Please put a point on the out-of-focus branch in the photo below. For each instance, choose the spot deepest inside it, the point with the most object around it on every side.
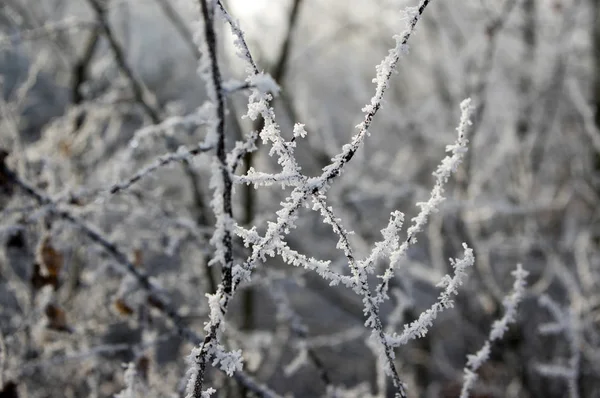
(552, 96)
(80, 69)
(80, 74)
(463, 231)
(141, 95)
(529, 38)
(478, 90)
(596, 58)
(147, 102)
(179, 24)
(46, 31)
(3, 357)
(179, 156)
(97, 237)
(7, 176)
(281, 65)
(36, 28)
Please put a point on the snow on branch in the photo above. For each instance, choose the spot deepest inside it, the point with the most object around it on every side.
(222, 186)
(499, 327)
(567, 322)
(450, 284)
(133, 386)
(448, 166)
(305, 188)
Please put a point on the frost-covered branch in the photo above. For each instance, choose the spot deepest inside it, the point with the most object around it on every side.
(567, 322)
(183, 154)
(134, 388)
(320, 184)
(306, 354)
(448, 166)
(499, 327)
(306, 188)
(360, 285)
(419, 327)
(222, 184)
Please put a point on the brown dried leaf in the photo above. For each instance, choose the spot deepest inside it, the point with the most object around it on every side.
(51, 259)
(143, 366)
(57, 318)
(39, 280)
(122, 307)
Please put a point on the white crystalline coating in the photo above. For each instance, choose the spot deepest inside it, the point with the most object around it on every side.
(229, 362)
(201, 116)
(208, 392)
(133, 388)
(264, 83)
(450, 284)
(566, 321)
(299, 130)
(443, 172)
(272, 243)
(390, 243)
(499, 327)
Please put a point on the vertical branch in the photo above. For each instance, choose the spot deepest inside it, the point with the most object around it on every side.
(479, 88)
(80, 74)
(225, 212)
(80, 69)
(281, 65)
(478, 91)
(552, 97)
(528, 34)
(361, 286)
(222, 238)
(279, 71)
